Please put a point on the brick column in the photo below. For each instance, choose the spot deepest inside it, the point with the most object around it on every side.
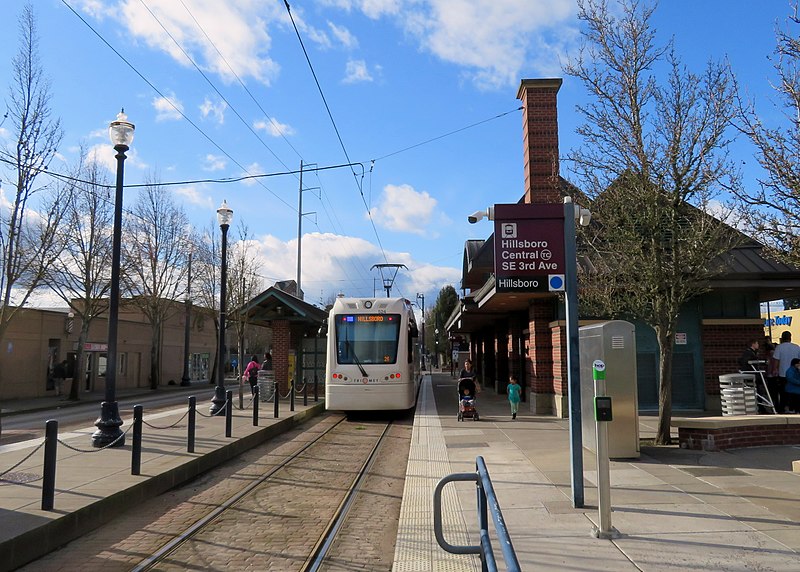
(540, 353)
(281, 337)
(540, 139)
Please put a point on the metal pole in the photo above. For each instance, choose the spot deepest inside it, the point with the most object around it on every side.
(299, 227)
(49, 469)
(275, 397)
(228, 413)
(255, 405)
(291, 395)
(136, 446)
(186, 378)
(192, 417)
(604, 528)
(109, 423)
(305, 393)
(573, 357)
(219, 391)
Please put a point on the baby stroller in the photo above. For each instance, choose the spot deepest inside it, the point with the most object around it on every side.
(466, 400)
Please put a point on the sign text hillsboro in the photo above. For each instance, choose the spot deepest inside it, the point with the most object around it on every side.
(529, 248)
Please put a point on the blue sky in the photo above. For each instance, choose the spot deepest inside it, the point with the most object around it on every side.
(394, 74)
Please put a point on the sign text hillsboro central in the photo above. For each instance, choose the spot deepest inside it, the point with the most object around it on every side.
(529, 248)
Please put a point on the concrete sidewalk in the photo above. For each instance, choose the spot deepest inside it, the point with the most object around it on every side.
(675, 509)
(95, 485)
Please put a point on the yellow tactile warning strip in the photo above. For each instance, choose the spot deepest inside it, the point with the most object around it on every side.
(417, 549)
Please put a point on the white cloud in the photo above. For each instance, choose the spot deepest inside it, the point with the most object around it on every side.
(403, 209)
(273, 127)
(498, 41)
(215, 110)
(195, 196)
(342, 264)
(344, 36)
(4, 133)
(168, 108)
(104, 154)
(356, 72)
(221, 37)
(214, 163)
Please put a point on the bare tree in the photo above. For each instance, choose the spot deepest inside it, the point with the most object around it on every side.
(205, 282)
(244, 284)
(777, 198)
(27, 236)
(81, 275)
(156, 252)
(654, 157)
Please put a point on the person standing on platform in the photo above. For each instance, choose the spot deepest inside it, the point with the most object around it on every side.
(792, 389)
(750, 354)
(469, 373)
(59, 374)
(783, 355)
(251, 373)
(514, 390)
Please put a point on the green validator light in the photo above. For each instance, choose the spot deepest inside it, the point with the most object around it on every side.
(602, 403)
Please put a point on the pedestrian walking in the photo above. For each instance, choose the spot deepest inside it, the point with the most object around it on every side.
(59, 374)
(513, 390)
(251, 373)
(793, 387)
(783, 355)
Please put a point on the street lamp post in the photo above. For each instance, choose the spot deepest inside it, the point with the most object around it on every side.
(422, 297)
(224, 217)
(108, 424)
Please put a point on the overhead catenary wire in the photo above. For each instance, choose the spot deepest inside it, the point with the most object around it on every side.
(168, 100)
(335, 127)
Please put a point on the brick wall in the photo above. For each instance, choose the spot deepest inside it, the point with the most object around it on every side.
(723, 343)
(540, 346)
(736, 437)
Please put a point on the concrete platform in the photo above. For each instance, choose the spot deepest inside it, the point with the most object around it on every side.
(675, 509)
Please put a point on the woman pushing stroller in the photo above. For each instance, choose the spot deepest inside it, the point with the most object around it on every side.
(467, 389)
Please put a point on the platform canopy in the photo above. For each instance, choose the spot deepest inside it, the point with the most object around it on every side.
(275, 304)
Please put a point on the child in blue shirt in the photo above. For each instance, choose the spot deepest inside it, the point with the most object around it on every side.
(514, 390)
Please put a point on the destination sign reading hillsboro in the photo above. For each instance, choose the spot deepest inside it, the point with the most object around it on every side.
(529, 248)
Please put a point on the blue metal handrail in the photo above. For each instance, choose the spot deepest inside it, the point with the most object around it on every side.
(487, 502)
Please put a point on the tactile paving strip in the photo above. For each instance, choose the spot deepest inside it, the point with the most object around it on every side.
(417, 549)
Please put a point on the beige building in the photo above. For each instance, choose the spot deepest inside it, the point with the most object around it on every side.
(39, 338)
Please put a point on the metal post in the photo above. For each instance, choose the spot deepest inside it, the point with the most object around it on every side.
(219, 391)
(109, 423)
(136, 446)
(192, 417)
(255, 405)
(604, 528)
(573, 359)
(291, 395)
(228, 413)
(275, 397)
(49, 470)
(305, 393)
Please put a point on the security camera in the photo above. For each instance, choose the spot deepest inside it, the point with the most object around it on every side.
(476, 216)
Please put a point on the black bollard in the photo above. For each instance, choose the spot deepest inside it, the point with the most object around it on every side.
(255, 406)
(316, 388)
(229, 413)
(192, 414)
(305, 394)
(49, 471)
(276, 396)
(136, 447)
(291, 396)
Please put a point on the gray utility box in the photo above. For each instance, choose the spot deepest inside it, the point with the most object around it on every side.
(614, 343)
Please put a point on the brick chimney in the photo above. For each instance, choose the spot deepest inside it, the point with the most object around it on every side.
(540, 139)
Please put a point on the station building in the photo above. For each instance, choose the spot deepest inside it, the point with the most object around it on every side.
(525, 333)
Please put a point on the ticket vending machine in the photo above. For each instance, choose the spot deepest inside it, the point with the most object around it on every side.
(614, 343)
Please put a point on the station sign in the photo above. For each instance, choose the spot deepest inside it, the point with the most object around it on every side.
(529, 247)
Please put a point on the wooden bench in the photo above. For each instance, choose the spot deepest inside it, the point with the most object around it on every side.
(735, 431)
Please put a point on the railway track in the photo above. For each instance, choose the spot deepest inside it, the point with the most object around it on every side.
(290, 517)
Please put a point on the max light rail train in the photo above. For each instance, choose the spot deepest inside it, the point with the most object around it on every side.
(372, 355)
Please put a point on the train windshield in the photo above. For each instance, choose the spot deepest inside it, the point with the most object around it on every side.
(367, 338)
